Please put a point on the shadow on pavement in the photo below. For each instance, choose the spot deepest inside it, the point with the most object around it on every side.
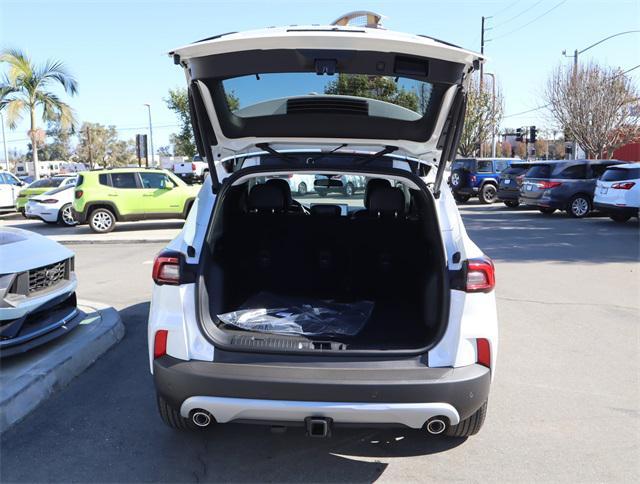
(522, 235)
(104, 427)
(53, 229)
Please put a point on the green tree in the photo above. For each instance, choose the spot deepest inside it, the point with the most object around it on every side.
(100, 145)
(480, 119)
(374, 87)
(59, 146)
(24, 88)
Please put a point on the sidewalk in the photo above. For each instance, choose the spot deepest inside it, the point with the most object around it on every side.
(29, 379)
(125, 232)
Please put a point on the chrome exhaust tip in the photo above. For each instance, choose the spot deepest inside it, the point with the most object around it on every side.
(436, 426)
(201, 418)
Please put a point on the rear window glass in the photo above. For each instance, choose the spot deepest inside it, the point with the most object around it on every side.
(259, 95)
(514, 170)
(123, 180)
(574, 172)
(485, 166)
(464, 165)
(103, 179)
(618, 174)
(539, 171)
(500, 165)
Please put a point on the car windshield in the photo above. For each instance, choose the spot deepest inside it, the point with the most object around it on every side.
(249, 96)
(47, 182)
(618, 174)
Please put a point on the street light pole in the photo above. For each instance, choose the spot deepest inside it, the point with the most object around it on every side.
(575, 67)
(150, 133)
(4, 143)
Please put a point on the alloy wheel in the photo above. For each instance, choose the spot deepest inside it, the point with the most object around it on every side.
(67, 216)
(579, 207)
(102, 221)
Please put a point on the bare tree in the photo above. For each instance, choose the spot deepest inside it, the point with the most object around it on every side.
(480, 118)
(598, 106)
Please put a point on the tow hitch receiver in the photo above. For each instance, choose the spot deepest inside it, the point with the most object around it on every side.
(318, 426)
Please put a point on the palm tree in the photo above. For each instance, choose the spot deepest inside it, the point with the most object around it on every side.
(24, 89)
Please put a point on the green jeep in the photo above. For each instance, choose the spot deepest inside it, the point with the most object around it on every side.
(103, 197)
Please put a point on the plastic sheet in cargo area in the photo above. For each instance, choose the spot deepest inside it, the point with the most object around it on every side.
(270, 313)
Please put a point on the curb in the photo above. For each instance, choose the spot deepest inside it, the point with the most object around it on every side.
(28, 380)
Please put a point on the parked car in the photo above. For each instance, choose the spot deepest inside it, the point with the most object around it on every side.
(477, 177)
(54, 206)
(404, 300)
(40, 186)
(26, 179)
(347, 185)
(37, 291)
(509, 184)
(10, 187)
(618, 192)
(104, 197)
(193, 171)
(562, 185)
(302, 184)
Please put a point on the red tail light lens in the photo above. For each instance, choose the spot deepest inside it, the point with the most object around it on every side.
(193, 166)
(49, 200)
(481, 275)
(160, 343)
(166, 268)
(79, 194)
(623, 185)
(483, 352)
(545, 185)
(473, 179)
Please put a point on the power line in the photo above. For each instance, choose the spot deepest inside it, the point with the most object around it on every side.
(519, 14)
(531, 21)
(512, 4)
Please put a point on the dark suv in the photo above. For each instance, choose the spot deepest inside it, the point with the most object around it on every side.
(479, 177)
(509, 185)
(562, 185)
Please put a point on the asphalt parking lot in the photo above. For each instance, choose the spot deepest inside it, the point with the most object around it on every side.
(565, 405)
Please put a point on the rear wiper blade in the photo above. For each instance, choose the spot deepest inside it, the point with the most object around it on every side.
(368, 159)
(270, 150)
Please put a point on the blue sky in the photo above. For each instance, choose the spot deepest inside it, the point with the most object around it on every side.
(117, 49)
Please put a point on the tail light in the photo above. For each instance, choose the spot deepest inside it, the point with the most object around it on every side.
(481, 275)
(483, 352)
(166, 268)
(336, 177)
(79, 194)
(49, 200)
(623, 185)
(545, 185)
(519, 179)
(193, 166)
(473, 179)
(160, 343)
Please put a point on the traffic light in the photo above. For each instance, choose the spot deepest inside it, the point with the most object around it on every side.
(519, 134)
(532, 134)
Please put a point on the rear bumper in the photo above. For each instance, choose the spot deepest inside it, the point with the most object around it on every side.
(466, 191)
(616, 210)
(267, 390)
(81, 217)
(543, 202)
(508, 195)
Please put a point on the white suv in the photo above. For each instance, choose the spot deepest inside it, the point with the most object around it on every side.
(618, 192)
(389, 317)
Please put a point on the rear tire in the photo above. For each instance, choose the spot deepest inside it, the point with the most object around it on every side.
(547, 211)
(321, 192)
(170, 416)
(65, 216)
(619, 218)
(469, 426)
(579, 206)
(349, 190)
(512, 203)
(102, 220)
(488, 193)
(461, 198)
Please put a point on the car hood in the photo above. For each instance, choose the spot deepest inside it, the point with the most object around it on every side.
(21, 250)
(331, 119)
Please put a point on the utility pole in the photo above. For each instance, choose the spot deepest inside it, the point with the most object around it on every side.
(483, 29)
(4, 142)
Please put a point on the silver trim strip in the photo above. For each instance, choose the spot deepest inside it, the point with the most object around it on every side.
(412, 415)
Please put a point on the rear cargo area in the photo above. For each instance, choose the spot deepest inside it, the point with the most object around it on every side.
(386, 260)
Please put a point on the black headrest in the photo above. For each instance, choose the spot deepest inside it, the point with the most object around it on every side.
(386, 201)
(266, 197)
(372, 185)
(326, 210)
(282, 185)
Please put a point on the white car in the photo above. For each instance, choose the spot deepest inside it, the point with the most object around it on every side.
(301, 184)
(618, 192)
(389, 314)
(53, 206)
(10, 186)
(37, 291)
